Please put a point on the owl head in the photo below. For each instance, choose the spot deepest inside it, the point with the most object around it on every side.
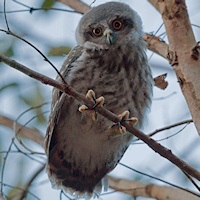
(109, 24)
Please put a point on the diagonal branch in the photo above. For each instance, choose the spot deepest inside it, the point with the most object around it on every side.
(164, 152)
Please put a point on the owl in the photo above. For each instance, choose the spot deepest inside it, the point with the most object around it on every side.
(109, 61)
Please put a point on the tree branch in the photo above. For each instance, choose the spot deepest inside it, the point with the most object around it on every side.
(138, 189)
(156, 45)
(25, 132)
(170, 126)
(77, 5)
(164, 152)
(181, 52)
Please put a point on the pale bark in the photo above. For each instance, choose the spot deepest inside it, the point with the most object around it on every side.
(182, 57)
(156, 45)
(138, 189)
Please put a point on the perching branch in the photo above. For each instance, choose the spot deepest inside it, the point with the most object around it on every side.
(164, 152)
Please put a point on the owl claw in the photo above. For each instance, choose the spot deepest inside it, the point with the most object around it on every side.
(118, 128)
(98, 103)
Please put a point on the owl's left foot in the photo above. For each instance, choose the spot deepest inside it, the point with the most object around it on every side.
(124, 117)
(98, 103)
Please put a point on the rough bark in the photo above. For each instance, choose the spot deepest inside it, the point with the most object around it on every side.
(183, 52)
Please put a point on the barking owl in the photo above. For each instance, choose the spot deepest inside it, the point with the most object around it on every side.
(110, 60)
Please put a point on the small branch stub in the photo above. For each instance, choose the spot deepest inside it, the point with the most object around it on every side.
(195, 51)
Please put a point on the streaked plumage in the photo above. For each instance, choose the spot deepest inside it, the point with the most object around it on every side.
(81, 152)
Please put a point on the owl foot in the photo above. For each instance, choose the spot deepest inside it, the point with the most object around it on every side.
(98, 103)
(118, 128)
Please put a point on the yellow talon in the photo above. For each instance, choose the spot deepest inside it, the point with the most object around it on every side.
(100, 101)
(132, 121)
(124, 117)
(122, 129)
(83, 108)
(90, 95)
(91, 111)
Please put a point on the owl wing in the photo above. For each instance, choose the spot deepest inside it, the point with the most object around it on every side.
(57, 96)
(57, 171)
(74, 54)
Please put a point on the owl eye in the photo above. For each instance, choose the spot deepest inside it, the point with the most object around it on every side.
(117, 24)
(97, 31)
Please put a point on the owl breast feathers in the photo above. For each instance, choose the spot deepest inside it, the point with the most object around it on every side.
(110, 59)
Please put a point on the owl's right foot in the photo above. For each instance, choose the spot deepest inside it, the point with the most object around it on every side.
(91, 112)
(124, 117)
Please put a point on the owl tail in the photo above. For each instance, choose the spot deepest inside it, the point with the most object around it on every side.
(66, 176)
(60, 184)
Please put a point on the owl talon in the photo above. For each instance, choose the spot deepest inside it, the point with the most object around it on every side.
(98, 103)
(118, 128)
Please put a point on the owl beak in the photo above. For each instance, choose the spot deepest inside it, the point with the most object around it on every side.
(109, 36)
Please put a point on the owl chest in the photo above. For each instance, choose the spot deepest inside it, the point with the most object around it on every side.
(110, 80)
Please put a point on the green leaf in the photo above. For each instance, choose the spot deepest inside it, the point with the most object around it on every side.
(48, 4)
(59, 51)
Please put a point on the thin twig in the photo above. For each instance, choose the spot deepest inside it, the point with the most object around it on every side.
(18, 188)
(38, 9)
(31, 9)
(27, 186)
(18, 131)
(28, 156)
(192, 181)
(158, 179)
(26, 132)
(30, 44)
(4, 164)
(170, 126)
(5, 16)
